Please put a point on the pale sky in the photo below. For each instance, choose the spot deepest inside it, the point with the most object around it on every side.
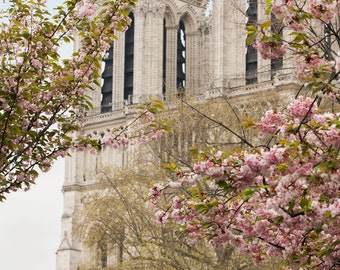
(30, 222)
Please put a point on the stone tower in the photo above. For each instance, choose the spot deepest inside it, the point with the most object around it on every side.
(171, 45)
(164, 49)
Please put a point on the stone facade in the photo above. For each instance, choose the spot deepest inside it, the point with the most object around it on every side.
(173, 45)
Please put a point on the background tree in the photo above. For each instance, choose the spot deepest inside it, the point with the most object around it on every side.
(279, 198)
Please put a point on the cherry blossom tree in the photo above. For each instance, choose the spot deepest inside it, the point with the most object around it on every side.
(280, 199)
(44, 98)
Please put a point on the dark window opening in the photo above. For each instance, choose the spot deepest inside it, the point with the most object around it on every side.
(252, 12)
(107, 75)
(103, 254)
(327, 42)
(277, 63)
(251, 65)
(129, 55)
(164, 58)
(181, 58)
(251, 56)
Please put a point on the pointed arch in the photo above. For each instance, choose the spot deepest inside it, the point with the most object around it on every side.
(187, 17)
(252, 55)
(169, 46)
(107, 76)
(181, 57)
(189, 33)
(170, 14)
(129, 57)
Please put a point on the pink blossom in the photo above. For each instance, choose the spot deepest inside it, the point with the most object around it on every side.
(270, 122)
(201, 167)
(302, 107)
(270, 49)
(253, 161)
(177, 202)
(312, 66)
(155, 192)
(189, 177)
(162, 217)
(286, 10)
(123, 140)
(331, 137)
(87, 9)
(323, 9)
(36, 63)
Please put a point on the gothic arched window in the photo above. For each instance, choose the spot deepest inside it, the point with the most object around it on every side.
(103, 253)
(276, 63)
(129, 55)
(107, 75)
(327, 42)
(181, 56)
(164, 57)
(251, 56)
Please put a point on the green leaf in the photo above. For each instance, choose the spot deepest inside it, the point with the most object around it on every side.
(170, 167)
(248, 193)
(291, 206)
(266, 24)
(268, 7)
(323, 198)
(326, 252)
(279, 219)
(226, 186)
(251, 29)
(207, 225)
(251, 38)
(305, 205)
(205, 207)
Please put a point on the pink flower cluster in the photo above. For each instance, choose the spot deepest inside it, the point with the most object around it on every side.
(286, 11)
(295, 13)
(325, 10)
(87, 9)
(270, 48)
(313, 66)
(302, 107)
(270, 122)
(155, 192)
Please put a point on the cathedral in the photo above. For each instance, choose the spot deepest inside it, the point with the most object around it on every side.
(193, 46)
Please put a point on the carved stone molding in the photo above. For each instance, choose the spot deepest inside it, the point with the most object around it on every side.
(75, 187)
(198, 3)
(150, 6)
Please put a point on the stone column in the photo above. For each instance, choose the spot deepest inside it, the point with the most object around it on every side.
(228, 43)
(217, 47)
(138, 61)
(171, 57)
(149, 49)
(192, 61)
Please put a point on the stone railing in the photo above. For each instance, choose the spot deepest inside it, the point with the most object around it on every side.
(234, 87)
